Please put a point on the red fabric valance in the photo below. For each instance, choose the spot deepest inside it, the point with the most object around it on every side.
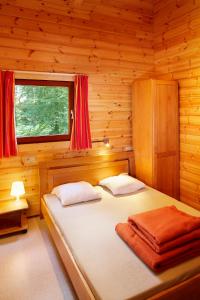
(81, 136)
(8, 143)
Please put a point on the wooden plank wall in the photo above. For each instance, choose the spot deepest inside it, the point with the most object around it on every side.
(177, 56)
(111, 41)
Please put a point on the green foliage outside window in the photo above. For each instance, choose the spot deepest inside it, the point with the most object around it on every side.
(41, 110)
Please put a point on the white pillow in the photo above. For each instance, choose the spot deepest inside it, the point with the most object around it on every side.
(71, 193)
(122, 184)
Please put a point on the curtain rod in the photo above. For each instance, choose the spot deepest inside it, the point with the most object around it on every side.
(36, 72)
(46, 73)
(35, 75)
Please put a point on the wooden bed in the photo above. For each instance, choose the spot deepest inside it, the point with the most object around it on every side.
(92, 169)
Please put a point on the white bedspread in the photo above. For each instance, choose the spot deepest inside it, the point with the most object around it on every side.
(111, 269)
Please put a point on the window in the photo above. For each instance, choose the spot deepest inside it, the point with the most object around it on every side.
(43, 110)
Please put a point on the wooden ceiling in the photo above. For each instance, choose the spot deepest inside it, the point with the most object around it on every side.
(86, 9)
(96, 30)
(99, 12)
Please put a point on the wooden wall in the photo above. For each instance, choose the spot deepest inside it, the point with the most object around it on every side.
(111, 41)
(177, 56)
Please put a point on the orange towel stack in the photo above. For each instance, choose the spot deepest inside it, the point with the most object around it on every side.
(162, 237)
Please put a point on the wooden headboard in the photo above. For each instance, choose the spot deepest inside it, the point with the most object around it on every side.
(87, 168)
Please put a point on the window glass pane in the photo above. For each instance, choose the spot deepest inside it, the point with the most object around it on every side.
(41, 110)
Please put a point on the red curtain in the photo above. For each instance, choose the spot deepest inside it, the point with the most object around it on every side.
(81, 136)
(8, 144)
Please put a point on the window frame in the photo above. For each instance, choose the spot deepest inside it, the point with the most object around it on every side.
(56, 137)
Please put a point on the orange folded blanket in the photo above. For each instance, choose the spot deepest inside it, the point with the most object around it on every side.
(165, 228)
(157, 262)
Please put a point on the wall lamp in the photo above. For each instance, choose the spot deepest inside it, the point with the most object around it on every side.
(105, 141)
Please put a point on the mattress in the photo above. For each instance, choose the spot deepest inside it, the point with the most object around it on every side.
(111, 269)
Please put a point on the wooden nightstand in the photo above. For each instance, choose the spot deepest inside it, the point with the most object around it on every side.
(13, 216)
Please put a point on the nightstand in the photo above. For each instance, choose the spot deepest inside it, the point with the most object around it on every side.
(13, 216)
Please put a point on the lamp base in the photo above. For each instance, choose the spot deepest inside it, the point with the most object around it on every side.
(17, 198)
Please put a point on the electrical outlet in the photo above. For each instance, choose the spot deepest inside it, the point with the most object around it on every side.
(128, 148)
(29, 160)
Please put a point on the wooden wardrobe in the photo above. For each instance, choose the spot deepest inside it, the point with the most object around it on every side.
(156, 134)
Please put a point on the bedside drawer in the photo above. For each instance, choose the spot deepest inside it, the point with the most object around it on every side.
(12, 219)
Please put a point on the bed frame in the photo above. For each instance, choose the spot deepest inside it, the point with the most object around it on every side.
(92, 169)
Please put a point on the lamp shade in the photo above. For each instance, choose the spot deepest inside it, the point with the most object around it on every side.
(17, 188)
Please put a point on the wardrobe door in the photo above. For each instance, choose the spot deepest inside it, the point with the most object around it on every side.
(142, 130)
(166, 136)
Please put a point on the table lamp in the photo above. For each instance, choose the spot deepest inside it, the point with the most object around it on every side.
(17, 189)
